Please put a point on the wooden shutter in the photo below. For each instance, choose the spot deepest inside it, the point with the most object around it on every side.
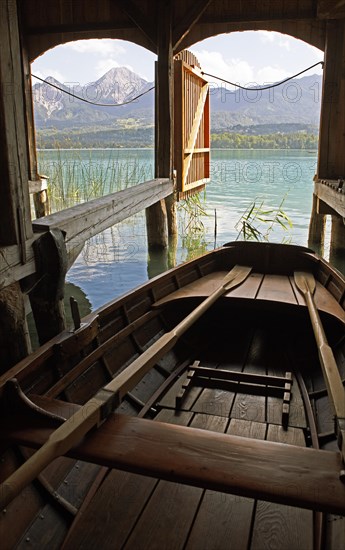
(191, 126)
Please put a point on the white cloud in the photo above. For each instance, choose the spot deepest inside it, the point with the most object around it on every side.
(233, 70)
(266, 36)
(286, 43)
(270, 74)
(238, 70)
(102, 47)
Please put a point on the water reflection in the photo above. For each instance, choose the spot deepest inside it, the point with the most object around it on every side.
(117, 260)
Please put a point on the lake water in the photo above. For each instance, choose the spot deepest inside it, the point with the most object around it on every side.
(117, 260)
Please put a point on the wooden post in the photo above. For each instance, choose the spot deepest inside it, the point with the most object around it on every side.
(47, 296)
(156, 215)
(41, 203)
(40, 196)
(331, 162)
(14, 341)
(337, 245)
(317, 225)
(15, 227)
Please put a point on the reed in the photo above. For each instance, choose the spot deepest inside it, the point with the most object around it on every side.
(191, 213)
(74, 179)
(258, 222)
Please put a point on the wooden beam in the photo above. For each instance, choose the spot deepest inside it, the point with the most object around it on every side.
(46, 298)
(14, 341)
(156, 216)
(164, 87)
(14, 166)
(72, 28)
(317, 227)
(331, 9)
(275, 472)
(83, 221)
(80, 223)
(331, 161)
(333, 198)
(142, 21)
(182, 29)
(38, 185)
(337, 245)
(11, 267)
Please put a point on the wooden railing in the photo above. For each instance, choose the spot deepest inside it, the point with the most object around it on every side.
(331, 192)
(81, 222)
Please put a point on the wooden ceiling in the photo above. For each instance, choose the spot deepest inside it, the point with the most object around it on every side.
(47, 23)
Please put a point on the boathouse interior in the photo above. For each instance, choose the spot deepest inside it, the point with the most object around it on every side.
(36, 254)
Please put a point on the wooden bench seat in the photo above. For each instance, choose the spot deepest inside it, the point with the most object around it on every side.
(271, 288)
(276, 472)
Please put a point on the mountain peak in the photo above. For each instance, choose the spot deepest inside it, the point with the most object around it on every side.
(119, 84)
(121, 71)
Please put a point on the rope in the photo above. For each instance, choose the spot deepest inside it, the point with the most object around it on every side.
(263, 87)
(93, 102)
(152, 87)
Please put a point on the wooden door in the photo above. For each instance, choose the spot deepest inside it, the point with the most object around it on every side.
(191, 126)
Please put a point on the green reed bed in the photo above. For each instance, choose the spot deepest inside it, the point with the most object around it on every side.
(74, 177)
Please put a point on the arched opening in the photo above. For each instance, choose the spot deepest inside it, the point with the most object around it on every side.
(264, 135)
(96, 145)
(260, 126)
(102, 98)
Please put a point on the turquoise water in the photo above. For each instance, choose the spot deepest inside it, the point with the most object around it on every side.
(117, 260)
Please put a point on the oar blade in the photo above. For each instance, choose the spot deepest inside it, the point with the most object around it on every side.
(305, 281)
(236, 276)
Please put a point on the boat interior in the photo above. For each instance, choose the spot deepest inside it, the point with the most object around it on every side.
(228, 441)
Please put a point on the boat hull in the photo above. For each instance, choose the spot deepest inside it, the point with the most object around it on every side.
(229, 434)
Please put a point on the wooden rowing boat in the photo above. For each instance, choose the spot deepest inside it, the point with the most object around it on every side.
(225, 435)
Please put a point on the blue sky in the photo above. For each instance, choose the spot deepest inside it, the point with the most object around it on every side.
(243, 57)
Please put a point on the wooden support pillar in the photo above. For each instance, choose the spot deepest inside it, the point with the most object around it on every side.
(337, 245)
(15, 227)
(40, 194)
(15, 216)
(156, 216)
(331, 162)
(170, 204)
(41, 204)
(14, 341)
(47, 295)
(317, 225)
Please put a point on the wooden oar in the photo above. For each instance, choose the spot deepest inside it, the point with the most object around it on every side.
(305, 282)
(98, 408)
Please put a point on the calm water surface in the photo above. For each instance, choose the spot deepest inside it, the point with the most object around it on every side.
(117, 260)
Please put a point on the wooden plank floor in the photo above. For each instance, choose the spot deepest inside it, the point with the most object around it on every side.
(135, 512)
